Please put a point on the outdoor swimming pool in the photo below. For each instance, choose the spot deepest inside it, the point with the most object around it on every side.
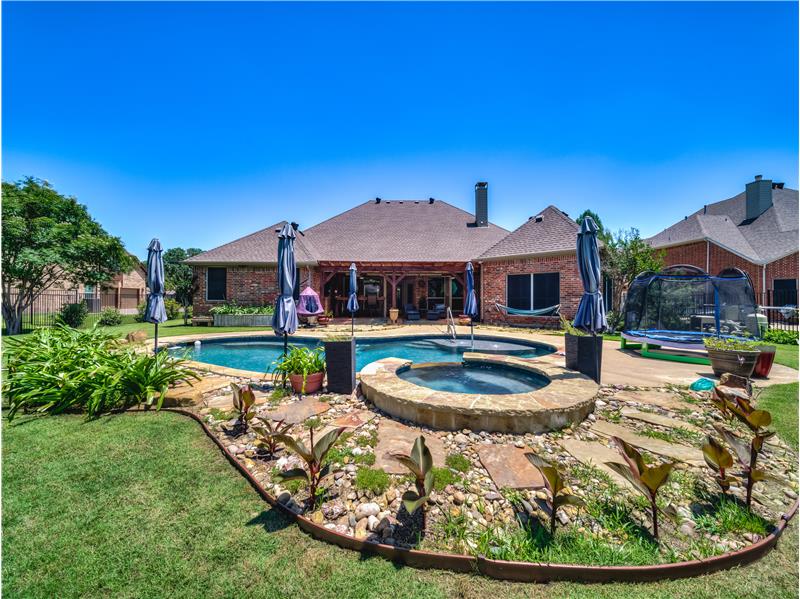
(258, 353)
(484, 379)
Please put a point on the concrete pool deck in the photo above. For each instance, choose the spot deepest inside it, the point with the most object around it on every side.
(620, 367)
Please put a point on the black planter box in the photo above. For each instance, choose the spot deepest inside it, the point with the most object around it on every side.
(340, 363)
(584, 354)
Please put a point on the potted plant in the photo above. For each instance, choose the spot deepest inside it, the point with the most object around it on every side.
(303, 366)
(340, 363)
(464, 320)
(325, 317)
(735, 356)
(394, 314)
(583, 352)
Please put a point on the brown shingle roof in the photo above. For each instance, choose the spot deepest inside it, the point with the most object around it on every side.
(389, 231)
(554, 233)
(260, 247)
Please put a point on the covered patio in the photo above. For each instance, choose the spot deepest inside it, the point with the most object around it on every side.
(385, 285)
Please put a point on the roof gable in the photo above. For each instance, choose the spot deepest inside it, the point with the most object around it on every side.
(555, 232)
(260, 247)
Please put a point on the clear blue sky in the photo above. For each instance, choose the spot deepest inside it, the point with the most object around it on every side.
(222, 119)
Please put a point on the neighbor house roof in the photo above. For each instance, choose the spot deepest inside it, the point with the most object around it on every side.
(385, 231)
(260, 247)
(549, 232)
(772, 235)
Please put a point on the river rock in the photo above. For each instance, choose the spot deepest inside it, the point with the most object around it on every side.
(367, 509)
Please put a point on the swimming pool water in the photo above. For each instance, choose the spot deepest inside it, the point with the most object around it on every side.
(258, 353)
(494, 379)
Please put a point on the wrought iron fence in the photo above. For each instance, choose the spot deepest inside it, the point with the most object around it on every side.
(45, 309)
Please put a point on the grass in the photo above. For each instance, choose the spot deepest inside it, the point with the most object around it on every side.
(731, 516)
(674, 435)
(781, 402)
(145, 506)
(457, 462)
(787, 355)
(372, 479)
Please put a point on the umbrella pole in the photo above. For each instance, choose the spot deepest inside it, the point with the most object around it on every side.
(285, 344)
(155, 345)
(471, 334)
(352, 324)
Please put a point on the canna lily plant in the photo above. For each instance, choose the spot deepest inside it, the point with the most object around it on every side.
(747, 454)
(243, 400)
(314, 471)
(554, 484)
(719, 460)
(647, 479)
(420, 463)
(267, 431)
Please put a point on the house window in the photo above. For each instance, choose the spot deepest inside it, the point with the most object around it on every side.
(784, 291)
(518, 292)
(216, 282)
(545, 290)
(532, 292)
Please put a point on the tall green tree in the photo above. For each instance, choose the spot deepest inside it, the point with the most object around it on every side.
(624, 255)
(602, 234)
(179, 276)
(48, 237)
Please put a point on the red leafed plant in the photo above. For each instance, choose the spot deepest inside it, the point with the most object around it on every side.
(243, 401)
(719, 460)
(554, 484)
(648, 480)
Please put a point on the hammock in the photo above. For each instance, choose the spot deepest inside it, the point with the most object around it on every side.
(551, 311)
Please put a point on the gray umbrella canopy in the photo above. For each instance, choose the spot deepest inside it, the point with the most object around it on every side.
(155, 311)
(352, 300)
(471, 303)
(591, 315)
(284, 321)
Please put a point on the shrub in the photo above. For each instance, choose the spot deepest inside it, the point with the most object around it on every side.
(781, 337)
(616, 320)
(570, 329)
(372, 479)
(109, 317)
(55, 370)
(172, 308)
(140, 312)
(730, 344)
(73, 315)
(234, 308)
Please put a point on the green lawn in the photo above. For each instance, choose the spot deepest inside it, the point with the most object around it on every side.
(144, 505)
(781, 401)
(787, 355)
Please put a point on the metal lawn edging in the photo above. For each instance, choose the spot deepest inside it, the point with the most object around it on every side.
(507, 570)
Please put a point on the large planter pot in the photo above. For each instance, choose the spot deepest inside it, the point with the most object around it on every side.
(323, 320)
(764, 361)
(464, 320)
(313, 382)
(242, 320)
(740, 363)
(584, 354)
(340, 363)
(394, 313)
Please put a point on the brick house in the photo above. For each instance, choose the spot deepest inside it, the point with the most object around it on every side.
(409, 253)
(756, 231)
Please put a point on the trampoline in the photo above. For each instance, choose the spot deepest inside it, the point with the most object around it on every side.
(680, 306)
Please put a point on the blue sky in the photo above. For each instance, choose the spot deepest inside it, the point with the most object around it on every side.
(227, 118)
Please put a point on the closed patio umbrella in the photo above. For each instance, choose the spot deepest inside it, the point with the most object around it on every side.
(591, 314)
(470, 302)
(352, 301)
(155, 312)
(284, 321)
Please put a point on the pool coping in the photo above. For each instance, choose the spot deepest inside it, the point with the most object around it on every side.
(372, 335)
(569, 398)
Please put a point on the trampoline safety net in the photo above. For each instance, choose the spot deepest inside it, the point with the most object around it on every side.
(685, 302)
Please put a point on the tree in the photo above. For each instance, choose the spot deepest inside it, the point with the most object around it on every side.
(602, 234)
(179, 276)
(48, 237)
(624, 256)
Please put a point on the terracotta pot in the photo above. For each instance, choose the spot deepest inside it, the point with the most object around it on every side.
(323, 320)
(765, 360)
(740, 363)
(393, 314)
(464, 320)
(313, 382)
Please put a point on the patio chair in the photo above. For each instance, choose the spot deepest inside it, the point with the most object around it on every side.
(437, 312)
(411, 312)
(372, 304)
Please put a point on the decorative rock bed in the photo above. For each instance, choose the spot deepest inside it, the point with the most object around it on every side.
(485, 498)
(568, 399)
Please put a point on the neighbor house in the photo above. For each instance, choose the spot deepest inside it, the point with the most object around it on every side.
(756, 231)
(410, 254)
